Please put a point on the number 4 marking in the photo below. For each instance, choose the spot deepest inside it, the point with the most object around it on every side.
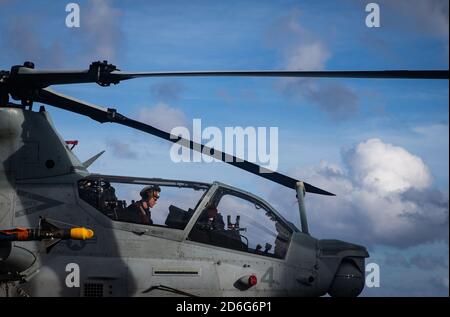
(268, 277)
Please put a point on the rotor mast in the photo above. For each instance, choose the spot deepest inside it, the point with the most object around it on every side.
(300, 189)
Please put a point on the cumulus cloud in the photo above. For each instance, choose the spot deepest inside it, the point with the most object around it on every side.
(384, 196)
(307, 56)
(163, 117)
(387, 168)
(303, 50)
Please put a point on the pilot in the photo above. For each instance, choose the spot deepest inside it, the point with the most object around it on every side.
(139, 212)
(211, 219)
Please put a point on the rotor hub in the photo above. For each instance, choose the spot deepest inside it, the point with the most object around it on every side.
(100, 69)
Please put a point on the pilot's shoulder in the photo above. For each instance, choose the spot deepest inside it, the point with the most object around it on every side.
(132, 206)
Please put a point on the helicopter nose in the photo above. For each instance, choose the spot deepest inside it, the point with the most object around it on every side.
(81, 233)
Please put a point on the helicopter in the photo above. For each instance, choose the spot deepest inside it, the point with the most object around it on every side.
(61, 230)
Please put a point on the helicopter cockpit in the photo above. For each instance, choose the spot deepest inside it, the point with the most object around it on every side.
(228, 218)
(251, 226)
(173, 211)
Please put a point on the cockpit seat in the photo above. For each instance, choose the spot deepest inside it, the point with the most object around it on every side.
(178, 218)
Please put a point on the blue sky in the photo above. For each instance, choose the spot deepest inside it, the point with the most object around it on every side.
(325, 126)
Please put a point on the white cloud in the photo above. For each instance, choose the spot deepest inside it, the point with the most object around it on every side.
(308, 56)
(302, 50)
(387, 168)
(384, 196)
(163, 117)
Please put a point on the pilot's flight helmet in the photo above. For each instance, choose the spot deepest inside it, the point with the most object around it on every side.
(148, 191)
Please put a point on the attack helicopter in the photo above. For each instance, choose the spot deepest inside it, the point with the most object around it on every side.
(61, 233)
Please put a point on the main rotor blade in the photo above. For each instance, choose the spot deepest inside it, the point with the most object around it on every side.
(50, 97)
(224, 157)
(399, 74)
(105, 74)
(101, 114)
(31, 78)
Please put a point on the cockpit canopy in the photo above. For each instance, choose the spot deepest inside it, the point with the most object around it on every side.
(221, 215)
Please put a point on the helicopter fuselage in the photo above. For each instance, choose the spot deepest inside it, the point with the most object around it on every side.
(40, 177)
